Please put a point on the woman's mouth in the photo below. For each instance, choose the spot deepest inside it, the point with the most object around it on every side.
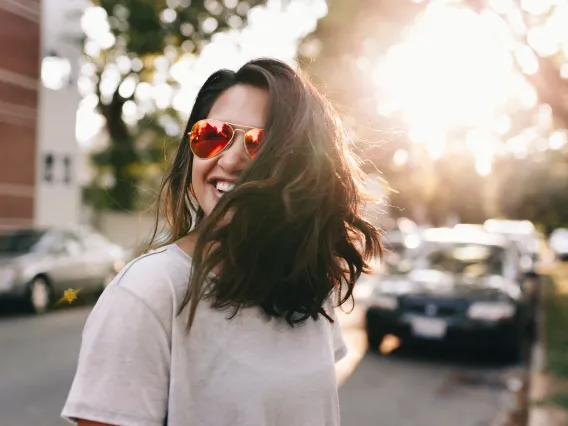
(223, 187)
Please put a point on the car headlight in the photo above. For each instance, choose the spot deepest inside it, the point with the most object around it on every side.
(491, 311)
(7, 277)
(383, 301)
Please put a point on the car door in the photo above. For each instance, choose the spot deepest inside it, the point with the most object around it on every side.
(67, 267)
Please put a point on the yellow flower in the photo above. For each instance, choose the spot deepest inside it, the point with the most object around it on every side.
(69, 295)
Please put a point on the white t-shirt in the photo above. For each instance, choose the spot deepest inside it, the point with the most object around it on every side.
(137, 361)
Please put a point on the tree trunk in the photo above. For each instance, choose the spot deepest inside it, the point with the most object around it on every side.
(122, 156)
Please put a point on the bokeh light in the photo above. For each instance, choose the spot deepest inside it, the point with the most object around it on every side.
(460, 72)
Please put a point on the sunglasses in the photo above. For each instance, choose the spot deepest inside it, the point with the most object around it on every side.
(208, 138)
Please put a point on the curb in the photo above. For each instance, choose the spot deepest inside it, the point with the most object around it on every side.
(538, 381)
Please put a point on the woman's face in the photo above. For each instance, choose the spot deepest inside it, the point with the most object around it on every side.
(211, 178)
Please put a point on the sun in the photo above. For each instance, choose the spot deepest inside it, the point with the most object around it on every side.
(453, 70)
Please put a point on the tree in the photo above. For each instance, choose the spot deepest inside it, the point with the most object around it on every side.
(355, 34)
(536, 189)
(337, 58)
(141, 41)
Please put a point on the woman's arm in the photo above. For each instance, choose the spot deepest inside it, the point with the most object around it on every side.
(122, 376)
(82, 422)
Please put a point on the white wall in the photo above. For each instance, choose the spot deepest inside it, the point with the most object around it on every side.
(57, 202)
(126, 229)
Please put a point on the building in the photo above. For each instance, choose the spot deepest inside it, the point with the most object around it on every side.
(39, 66)
(20, 38)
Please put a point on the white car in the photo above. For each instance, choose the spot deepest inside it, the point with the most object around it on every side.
(558, 242)
(38, 265)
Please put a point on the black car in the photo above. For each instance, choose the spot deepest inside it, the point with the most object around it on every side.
(457, 287)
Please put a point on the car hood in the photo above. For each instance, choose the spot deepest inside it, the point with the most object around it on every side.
(443, 284)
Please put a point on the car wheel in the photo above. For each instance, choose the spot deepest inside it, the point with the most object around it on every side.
(39, 295)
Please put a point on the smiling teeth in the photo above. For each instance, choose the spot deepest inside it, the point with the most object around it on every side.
(224, 186)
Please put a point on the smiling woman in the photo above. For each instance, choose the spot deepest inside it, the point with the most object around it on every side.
(266, 237)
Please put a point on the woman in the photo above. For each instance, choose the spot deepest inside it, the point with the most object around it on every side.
(231, 322)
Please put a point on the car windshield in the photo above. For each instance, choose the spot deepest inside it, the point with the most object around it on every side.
(460, 258)
(22, 241)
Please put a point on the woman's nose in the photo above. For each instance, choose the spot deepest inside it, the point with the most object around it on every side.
(235, 157)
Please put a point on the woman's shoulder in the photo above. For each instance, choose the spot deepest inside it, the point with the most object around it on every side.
(157, 277)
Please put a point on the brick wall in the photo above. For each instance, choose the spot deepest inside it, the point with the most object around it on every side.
(19, 81)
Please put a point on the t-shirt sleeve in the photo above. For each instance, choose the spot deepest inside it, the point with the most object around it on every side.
(122, 376)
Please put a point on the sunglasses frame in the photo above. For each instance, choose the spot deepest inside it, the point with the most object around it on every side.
(240, 127)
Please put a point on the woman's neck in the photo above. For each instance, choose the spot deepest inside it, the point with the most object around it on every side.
(187, 243)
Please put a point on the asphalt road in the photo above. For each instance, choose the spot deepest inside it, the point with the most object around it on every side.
(426, 386)
(38, 358)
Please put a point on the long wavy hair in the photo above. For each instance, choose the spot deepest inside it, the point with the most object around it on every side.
(295, 235)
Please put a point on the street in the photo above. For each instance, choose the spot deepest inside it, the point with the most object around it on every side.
(39, 356)
(408, 387)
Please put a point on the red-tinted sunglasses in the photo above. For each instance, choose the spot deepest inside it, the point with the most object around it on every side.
(209, 138)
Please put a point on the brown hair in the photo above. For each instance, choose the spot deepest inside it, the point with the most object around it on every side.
(296, 234)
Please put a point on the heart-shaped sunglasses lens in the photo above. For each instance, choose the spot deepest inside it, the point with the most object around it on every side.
(209, 137)
(253, 140)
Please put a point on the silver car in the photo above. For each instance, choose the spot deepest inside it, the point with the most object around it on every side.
(38, 265)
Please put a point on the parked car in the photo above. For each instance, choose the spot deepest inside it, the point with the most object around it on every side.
(526, 237)
(38, 265)
(397, 247)
(457, 286)
(559, 244)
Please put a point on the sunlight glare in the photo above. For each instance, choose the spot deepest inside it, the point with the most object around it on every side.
(448, 72)
(502, 124)
(558, 139)
(482, 144)
(400, 157)
(88, 125)
(502, 6)
(536, 7)
(542, 39)
(483, 166)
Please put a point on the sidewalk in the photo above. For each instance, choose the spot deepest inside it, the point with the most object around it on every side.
(543, 384)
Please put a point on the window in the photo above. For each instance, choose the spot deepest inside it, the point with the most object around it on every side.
(72, 243)
(21, 241)
(48, 165)
(67, 171)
